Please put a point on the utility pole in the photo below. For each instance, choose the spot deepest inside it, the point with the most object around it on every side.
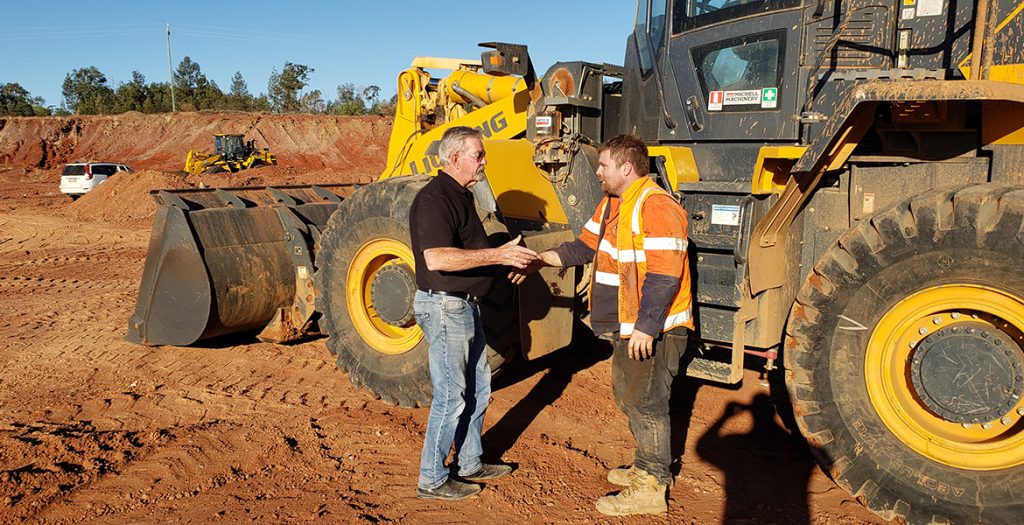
(170, 71)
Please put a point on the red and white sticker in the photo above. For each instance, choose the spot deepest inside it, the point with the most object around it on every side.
(715, 99)
(543, 121)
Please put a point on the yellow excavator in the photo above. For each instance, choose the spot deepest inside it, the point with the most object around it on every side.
(854, 177)
(230, 153)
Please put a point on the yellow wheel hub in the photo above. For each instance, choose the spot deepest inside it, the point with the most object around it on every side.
(371, 258)
(943, 372)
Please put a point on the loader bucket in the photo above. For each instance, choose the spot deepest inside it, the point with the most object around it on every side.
(222, 261)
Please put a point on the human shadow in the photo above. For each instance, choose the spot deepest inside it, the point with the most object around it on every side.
(766, 469)
(558, 368)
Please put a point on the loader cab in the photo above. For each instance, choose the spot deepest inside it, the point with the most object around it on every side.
(229, 147)
(713, 70)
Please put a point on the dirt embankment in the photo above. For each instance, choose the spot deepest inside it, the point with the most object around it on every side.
(303, 142)
(311, 149)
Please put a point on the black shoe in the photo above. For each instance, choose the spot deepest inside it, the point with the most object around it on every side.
(488, 471)
(450, 490)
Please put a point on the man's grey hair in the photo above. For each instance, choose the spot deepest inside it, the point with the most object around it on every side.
(453, 141)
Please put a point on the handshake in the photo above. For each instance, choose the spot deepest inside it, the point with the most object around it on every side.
(525, 260)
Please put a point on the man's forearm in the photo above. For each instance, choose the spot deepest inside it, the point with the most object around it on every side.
(455, 259)
(572, 253)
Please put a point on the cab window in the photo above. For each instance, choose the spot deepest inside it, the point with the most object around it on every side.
(649, 32)
(692, 14)
(741, 67)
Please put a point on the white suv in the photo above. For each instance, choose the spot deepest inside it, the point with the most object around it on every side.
(77, 179)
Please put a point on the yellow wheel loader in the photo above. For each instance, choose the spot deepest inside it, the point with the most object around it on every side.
(854, 178)
(230, 153)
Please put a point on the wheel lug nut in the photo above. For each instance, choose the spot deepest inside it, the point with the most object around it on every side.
(966, 425)
(1005, 421)
(955, 315)
(937, 320)
(1020, 411)
(986, 426)
(913, 344)
(922, 330)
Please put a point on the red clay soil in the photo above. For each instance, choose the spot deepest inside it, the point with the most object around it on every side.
(306, 142)
(94, 429)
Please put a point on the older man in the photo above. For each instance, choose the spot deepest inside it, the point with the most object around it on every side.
(640, 298)
(455, 265)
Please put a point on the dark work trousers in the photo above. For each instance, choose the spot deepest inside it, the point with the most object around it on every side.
(642, 390)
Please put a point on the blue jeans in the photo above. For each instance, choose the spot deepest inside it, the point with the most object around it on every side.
(462, 385)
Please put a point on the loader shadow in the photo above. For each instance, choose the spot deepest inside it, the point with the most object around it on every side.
(229, 341)
(766, 469)
(558, 368)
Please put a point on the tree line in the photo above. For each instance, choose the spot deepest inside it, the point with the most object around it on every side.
(87, 91)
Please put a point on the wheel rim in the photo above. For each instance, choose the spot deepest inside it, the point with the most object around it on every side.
(916, 338)
(368, 260)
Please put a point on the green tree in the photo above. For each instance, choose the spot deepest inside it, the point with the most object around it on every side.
(349, 102)
(132, 96)
(385, 108)
(239, 98)
(312, 102)
(283, 88)
(196, 92)
(15, 100)
(261, 104)
(158, 99)
(86, 92)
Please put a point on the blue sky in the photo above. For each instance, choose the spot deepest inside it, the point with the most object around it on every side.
(344, 41)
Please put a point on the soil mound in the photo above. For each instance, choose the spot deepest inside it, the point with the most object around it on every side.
(124, 198)
(304, 142)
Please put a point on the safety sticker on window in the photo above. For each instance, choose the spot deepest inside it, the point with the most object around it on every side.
(769, 98)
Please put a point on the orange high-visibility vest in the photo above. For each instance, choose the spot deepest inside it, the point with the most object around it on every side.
(650, 236)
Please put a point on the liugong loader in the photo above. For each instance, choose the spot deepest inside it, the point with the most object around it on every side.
(854, 177)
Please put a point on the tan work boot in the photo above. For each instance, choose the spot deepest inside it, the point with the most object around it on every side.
(643, 496)
(624, 476)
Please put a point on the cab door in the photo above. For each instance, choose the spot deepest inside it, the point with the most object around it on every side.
(735, 65)
(643, 83)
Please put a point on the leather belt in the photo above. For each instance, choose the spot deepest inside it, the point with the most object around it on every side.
(461, 295)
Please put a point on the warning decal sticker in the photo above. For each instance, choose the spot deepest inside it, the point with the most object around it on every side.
(715, 100)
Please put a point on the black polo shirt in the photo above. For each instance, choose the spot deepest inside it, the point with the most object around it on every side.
(443, 216)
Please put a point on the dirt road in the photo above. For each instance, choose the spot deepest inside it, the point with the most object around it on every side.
(95, 429)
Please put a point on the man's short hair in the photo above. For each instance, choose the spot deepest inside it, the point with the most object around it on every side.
(628, 148)
(454, 141)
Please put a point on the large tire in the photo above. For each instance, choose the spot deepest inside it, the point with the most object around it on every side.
(904, 358)
(367, 234)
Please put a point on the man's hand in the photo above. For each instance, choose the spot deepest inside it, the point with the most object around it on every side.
(641, 345)
(511, 254)
(548, 258)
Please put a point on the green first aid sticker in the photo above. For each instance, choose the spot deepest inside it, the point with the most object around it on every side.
(769, 98)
